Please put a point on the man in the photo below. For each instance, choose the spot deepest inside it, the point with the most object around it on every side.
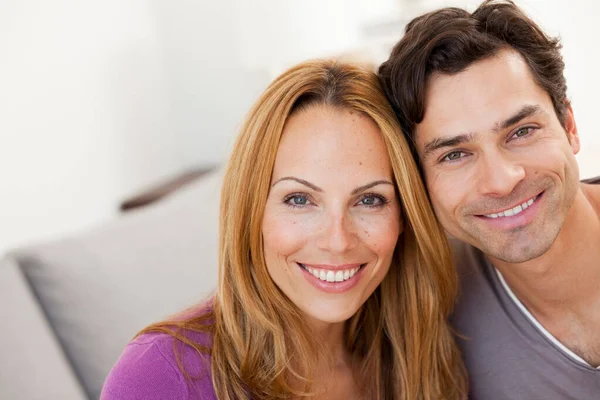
(482, 97)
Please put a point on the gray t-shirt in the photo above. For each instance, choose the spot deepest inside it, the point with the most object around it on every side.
(506, 355)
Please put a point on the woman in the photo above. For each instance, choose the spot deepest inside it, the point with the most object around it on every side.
(335, 279)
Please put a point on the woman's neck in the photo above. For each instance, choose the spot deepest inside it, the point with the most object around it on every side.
(330, 338)
(333, 376)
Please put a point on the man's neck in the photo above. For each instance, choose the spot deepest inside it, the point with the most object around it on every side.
(566, 277)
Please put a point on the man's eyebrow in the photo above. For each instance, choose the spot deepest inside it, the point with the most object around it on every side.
(362, 188)
(526, 111)
(301, 181)
(448, 141)
(441, 142)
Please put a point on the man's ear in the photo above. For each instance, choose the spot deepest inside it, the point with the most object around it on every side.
(571, 129)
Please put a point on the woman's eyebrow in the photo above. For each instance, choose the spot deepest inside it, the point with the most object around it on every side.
(301, 181)
(362, 188)
(358, 190)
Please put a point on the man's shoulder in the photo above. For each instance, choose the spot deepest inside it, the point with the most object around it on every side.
(477, 285)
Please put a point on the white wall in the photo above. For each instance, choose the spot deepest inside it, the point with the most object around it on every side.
(83, 90)
(99, 99)
(280, 33)
(577, 22)
(210, 86)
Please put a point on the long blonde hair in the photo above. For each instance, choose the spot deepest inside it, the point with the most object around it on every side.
(261, 346)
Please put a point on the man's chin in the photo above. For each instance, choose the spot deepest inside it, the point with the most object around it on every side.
(517, 253)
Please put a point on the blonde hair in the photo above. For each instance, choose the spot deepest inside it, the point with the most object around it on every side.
(260, 343)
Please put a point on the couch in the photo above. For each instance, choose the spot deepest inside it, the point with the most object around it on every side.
(68, 307)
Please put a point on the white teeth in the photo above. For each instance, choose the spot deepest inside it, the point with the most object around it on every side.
(331, 276)
(513, 211)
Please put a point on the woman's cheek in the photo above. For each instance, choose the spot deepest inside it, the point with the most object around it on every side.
(381, 230)
(285, 234)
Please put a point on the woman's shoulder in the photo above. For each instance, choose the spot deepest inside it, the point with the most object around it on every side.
(158, 366)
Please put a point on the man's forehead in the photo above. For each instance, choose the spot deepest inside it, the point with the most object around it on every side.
(478, 98)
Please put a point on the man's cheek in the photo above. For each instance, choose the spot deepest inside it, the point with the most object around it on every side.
(444, 205)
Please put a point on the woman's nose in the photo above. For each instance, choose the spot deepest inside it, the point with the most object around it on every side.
(337, 234)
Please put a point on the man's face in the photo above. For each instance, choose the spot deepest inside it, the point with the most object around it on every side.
(499, 166)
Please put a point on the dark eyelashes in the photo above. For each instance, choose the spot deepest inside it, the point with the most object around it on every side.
(292, 195)
(446, 159)
(528, 130)
(287, 199)
(381, 200)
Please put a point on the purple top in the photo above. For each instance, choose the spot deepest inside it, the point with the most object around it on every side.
(147, 369)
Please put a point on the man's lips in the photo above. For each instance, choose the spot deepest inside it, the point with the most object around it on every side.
(512, 210)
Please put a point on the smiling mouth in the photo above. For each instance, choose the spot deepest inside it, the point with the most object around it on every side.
(329, 275)
(511, 212)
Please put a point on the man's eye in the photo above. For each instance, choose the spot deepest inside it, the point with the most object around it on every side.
(523, 132)
(453, 156)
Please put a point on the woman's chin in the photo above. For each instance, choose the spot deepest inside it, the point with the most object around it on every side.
(328, 315)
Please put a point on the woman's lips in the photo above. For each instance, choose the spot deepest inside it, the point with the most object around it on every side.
(332, 273)
(333, 279)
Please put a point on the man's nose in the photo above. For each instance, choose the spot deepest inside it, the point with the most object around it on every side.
(498, 174)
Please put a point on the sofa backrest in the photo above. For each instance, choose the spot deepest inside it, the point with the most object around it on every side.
(98, 289)
(33, 366)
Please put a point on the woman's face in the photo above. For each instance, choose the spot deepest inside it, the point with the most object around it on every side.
(332, 217)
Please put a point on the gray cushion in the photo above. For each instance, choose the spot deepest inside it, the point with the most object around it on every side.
(33, 366)
(99, 289)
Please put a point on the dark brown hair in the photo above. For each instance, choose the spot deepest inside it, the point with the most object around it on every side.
(448, 40)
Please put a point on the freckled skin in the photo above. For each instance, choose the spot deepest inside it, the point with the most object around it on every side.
(323, 146)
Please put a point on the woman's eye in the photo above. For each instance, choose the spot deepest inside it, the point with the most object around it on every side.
(297, 200)
(453, 156)
(372, 200)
